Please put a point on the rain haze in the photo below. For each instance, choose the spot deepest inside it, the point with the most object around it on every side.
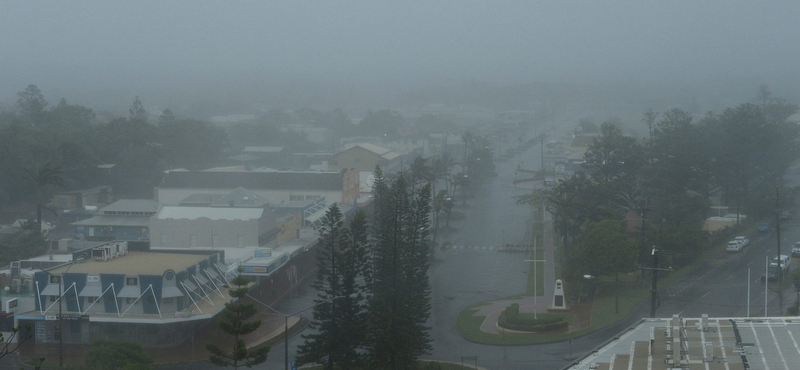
(330, 52)
(417, 185)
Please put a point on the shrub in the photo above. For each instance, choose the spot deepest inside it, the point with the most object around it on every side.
(512, 320)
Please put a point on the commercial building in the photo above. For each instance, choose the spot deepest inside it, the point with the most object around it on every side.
(148, 297)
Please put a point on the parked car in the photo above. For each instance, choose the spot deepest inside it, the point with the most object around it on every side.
(785, 262)
(742, 240)
(734, 246)
(771, 273)
(764, 227)
(796, 250)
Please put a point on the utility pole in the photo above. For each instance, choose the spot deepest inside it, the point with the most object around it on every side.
(778, 229)
(655, 284)
(654, 287)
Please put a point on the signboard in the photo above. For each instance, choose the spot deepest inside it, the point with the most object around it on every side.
(10, 305)
(93, 278)
(294, 366)
(262, 253)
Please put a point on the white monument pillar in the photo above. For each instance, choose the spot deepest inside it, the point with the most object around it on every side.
(559, 302)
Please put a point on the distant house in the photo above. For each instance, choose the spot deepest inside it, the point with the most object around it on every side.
(276, 187)
(365, 156)
(125, 219)
(78, 199)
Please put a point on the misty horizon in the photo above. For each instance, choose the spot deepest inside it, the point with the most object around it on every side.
(373, 55)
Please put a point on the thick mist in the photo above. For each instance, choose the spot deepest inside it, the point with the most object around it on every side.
(338, 53)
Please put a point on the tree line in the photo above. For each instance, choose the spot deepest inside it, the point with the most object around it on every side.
(668, 180)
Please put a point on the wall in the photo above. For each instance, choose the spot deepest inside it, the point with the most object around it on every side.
(179, 233)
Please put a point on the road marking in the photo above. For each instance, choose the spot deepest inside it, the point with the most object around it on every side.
(751, 262)
(705, 294)
(758, 345)
(730, 277)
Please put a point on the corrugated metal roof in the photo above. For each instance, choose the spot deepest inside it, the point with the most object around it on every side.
(213, 213)
(114, 220)
(132, 205)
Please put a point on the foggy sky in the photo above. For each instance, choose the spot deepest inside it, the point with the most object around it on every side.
(146, 47)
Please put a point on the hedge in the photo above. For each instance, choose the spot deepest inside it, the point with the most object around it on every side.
(513, 321)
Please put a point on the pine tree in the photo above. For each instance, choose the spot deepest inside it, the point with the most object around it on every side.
(234, 322)
(337, 313)
(399, 306)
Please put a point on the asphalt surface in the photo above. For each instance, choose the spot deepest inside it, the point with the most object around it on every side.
(720, 287)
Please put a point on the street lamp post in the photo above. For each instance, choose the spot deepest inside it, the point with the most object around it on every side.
(286, 324)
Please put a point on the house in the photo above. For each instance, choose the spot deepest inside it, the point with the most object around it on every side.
(276, 187)
(78, 199)
(366, 156)
(125, 219)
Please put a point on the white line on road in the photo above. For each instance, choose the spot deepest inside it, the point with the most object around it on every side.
(730, 277)
(705, 294)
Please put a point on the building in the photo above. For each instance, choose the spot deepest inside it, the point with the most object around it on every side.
(700, 343)
(365, 156)
(78, 199)
(125, 219)
(181, 227)
(276, 187)
(151, 298)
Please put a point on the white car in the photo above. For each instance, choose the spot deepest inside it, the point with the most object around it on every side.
(744, 241)
(734, 246)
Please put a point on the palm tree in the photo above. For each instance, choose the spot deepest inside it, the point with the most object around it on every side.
(41, 176)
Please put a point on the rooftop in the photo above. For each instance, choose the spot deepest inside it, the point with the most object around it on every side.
(701, 343)
(114, 220)
(297, 180)
(135, 263)
(213, 213)
(132, 205)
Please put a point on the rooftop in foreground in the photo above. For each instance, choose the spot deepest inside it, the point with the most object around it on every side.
(701, 343)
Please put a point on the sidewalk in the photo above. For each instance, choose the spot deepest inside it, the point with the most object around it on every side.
(194, 349)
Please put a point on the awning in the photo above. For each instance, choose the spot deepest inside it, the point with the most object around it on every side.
(129, 292)
(50, 289)
(91, 291)
(201, 279)
(170, 291)
(211, 272)
(189, 285)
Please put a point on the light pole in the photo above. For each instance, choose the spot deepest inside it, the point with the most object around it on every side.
(60, 317)
(535, 278)
(286, 324)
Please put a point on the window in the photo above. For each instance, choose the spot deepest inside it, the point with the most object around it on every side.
(168, 300)
(53, 298)
(312, 197)
(293, 198)
(92, 299)
(130, 300)
(132, 281)
(193, 240)
(55, 279)
(163, 240)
